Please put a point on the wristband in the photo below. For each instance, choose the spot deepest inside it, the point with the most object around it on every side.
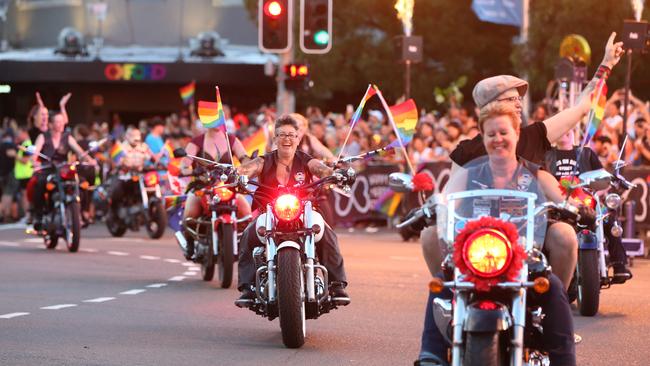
(603, 72)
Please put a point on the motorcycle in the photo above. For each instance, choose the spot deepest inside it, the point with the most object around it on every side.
(494, 269)
(591, 274)
(142, 204)
(216, 230)
(289, 282)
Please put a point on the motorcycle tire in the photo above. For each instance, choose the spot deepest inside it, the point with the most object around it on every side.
(73, 224)
(157, 220)
(207, 262)
(114, 225)
(51, 240)
(226, 257)
(482, 349)
(588, 282)
(291, 307)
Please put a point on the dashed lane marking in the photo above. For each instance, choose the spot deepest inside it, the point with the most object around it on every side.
(188, 264)
(128, 240)
(188, 273)
(33, 240)
(58, 307)
(133, 292)
(156, 285)
(89, 250)
(121, 254)
(170, 260)
(100, 299)
(12, 315)
(177, 278)
(16, 225)
(194, 269)
(149, 257)
(9, 244)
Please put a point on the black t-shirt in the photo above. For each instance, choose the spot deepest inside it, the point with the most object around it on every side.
(564, 163)
(532, 146)
(6, 162)
(299, 173)
(33, 134)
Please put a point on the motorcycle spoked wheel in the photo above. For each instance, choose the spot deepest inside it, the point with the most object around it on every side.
(226, 257)
(157, 219)
(207, 261)
(291, 306)
(482, 349)
(588, 283)
(73, 226)
(114, 225)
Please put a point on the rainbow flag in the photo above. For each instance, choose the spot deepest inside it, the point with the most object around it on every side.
(598, 101)
(116, 152)
(388, 202)
(255, 142)
(174, 200)
(405, 116)
(370, 92)
(211, 113)
(187, 92)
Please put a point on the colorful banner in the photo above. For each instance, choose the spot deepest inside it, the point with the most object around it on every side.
(128, 72)
(508, 12)
(187, 92)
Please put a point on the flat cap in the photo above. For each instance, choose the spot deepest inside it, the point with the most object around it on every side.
(488, 90)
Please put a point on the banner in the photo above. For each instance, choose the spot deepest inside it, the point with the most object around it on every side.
(508, 12)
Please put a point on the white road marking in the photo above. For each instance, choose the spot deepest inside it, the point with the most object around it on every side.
(186, 264)
(176, 278)
(117, 253)
(156, 285)
(89, 250)
(16, 225)
(188, 273)
(33, 240)
(150, 257)
(194, 269)
(133, 292)
(9, 244)
(100, 299)
(12, 315)
(58, 307)
(128, 240)
(410, 259)
(170, 260)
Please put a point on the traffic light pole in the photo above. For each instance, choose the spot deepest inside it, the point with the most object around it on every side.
(286, 100)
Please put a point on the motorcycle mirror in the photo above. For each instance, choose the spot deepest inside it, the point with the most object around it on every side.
(400, 182)
(596, 179)
(180, 153)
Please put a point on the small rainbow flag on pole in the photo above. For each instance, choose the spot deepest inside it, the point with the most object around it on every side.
(174, 200)
(370, 92)
(405, 116)
(255, 142)
(388, 202)
(211, 113)
(187, 92)
(595, 116)
(116, 152)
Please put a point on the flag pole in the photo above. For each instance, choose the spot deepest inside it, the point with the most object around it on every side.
(225, 127)
(392, 122)
(353, 122)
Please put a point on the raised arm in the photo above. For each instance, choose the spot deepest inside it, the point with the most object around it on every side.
(62, 104)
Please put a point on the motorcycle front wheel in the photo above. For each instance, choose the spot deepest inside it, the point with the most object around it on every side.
(73, 226)
(588, 282)
(157, 220)
(291, 307)
(482, 349)
(114, 225)
(226, 257)
(207, 262)
(51, 239)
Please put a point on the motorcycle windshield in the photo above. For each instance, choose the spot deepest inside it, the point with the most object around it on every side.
(481, 188)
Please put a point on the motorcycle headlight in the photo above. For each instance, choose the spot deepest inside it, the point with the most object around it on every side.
(151, 179)
(287, 207)
(487, 253)
(224, 194)
(613, 201)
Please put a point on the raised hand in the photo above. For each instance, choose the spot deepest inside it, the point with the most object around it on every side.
(39, 100)
(613, 52)
(64, 100)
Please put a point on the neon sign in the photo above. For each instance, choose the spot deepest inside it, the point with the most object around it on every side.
(135, 72)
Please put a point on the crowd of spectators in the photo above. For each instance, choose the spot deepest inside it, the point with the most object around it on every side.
(437, 134)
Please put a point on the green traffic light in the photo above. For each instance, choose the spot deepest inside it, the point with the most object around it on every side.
(321, 37)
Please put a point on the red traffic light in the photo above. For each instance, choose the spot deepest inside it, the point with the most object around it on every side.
(273, 8)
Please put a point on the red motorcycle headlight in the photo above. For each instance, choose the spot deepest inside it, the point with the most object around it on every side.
(224, 194)
(287, 207)
(68, 172)
(487, 253)
(151, 179)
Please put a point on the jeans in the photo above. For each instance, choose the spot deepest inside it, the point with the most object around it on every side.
(327, 250)
(558, 327)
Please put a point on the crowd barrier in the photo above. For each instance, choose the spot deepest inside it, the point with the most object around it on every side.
(372, 183)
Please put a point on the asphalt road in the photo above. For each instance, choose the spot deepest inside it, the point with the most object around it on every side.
(134, 301)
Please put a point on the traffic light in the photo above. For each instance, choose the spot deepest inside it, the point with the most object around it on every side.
(274, 24)
(296, 76)
(315, 26)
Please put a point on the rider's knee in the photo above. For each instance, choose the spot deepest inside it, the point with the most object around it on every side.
(563, 236)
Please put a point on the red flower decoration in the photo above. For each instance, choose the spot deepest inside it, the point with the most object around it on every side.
(565, 186)
(518, 252)
(422, 182)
